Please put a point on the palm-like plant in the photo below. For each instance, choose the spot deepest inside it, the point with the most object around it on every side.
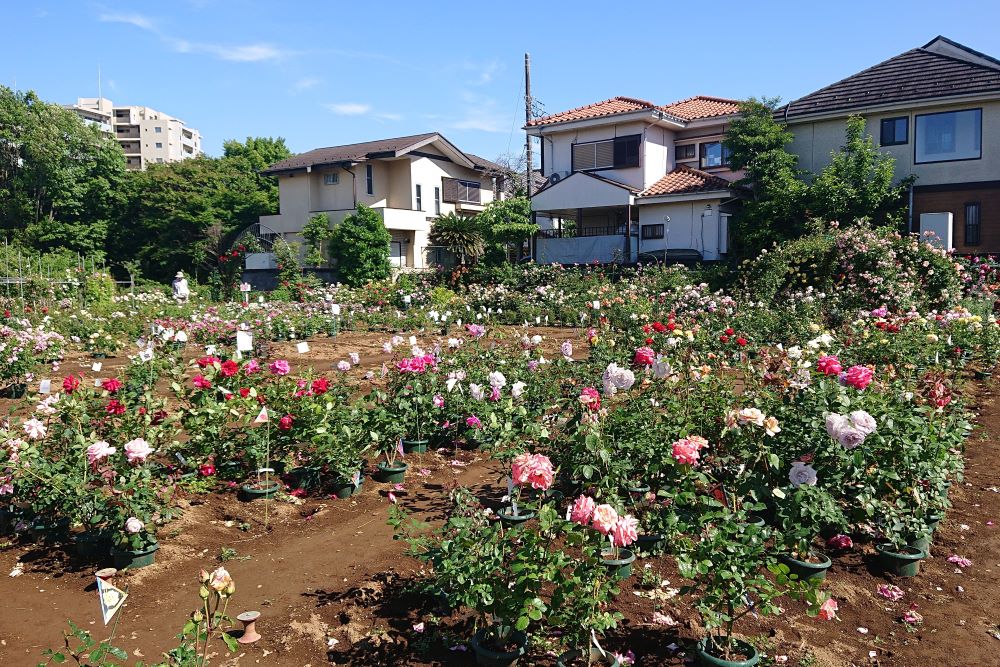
(461, 235)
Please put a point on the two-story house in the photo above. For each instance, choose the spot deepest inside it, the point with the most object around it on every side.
(629, 180)
(410, 181)
(936, 110)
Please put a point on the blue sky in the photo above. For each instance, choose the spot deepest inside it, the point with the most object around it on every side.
(328, 73)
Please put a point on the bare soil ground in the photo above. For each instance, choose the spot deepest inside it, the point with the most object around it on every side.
(329, 569)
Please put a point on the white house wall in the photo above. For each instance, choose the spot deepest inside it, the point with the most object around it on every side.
(559, 151)
(691, 227)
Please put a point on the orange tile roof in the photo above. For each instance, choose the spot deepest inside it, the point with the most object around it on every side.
(685, 180)
(702, 106)
(615, 105)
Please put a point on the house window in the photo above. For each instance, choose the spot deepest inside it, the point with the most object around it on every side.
(420, 198)
(685, 152)
(370, 179)
(895, 131)
(158, 130)
(972, 226)
(437, 201)
(652, 232)
(714, 154)
(159, 144)
(332, 178)
(617, 153)
(458, 190)
(947, 136)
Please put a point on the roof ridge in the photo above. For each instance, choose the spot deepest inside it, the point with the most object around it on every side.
(372, 141)
(858, 73)
(963, 47)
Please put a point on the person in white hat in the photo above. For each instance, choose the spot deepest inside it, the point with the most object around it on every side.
(181, 290)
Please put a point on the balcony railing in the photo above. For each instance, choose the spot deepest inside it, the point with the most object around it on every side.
(576, 232)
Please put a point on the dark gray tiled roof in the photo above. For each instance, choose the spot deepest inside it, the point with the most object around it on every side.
(942, 68)
(349, 153)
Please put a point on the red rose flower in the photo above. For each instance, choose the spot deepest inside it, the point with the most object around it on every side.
(285, 423)
(205, 362)
(644, 356)
(244, 392)
(115, 407)
(741, 341)
(320, 386)
(70, 384)
(229, 368)
(111, 385)
(201, 382)
(158, 417)
(724, 338)
(730, 332)
(206, 470)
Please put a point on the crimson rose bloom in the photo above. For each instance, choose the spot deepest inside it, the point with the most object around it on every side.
(229, 368)
(285, 423)
(320, 386)
(201, 382)
(244, 392)
(71, 383)
(205, 362)
(112, 385)
(115, 407)
(206, 470)
(644, 356)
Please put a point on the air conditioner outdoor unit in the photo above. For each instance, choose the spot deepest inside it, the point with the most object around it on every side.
(557, 176)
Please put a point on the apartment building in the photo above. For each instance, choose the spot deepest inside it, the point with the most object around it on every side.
(147, 136)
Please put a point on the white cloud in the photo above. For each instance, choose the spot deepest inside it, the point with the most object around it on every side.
(305, 83)
(389, 116)
(348, 108)
(138, 20)
(249, 53)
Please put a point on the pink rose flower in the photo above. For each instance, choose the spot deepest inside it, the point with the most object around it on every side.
(840, 542)
(137, 451)
(644, 356)
(624, 532)
(858, 377)
(99, 451)
(590, 398)
(685, 451)
(438, 401)
(280, 367)
(828, 610)
(473, 421)
(134, 525)
(582, 510)
(829, 365)
(604, 518)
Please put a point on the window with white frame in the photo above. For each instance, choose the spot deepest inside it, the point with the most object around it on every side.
(420, 197)
(617, 153)
(331, 178)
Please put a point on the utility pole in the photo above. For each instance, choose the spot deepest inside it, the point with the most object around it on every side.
(529, 168)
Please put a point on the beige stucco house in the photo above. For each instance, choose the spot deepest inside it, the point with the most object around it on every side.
(629, 180)
(410, 181)
(936, 110)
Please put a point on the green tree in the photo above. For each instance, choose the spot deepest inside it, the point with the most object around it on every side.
(360, 246)
(506, 224)
(858, 183)
(316, 233)
(461, 235)
(775, 207)
(62, 182)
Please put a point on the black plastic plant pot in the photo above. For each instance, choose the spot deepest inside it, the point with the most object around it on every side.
(805, 570)
(508, 518)
(577, 657)
(346, 488)
(620, 567)
(651, 543)
(133, 560)
(391, 474)
(255, 490)
(900, 561)
(415, 446)
(490, 657)
(708, 655)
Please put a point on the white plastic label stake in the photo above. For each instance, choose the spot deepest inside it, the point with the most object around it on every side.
(210, 350)
(244, 341)
(302, 347)
(147, 354)
(45, 387)
(97, 367)
(335, 309)
(98, 382)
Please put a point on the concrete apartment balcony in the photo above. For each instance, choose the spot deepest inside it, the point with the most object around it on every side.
(127, 131)
(131, 147)
(406, 219)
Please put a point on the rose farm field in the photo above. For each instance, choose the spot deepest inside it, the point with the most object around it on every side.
(561, 467)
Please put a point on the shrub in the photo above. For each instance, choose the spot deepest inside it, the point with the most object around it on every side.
(360, 246)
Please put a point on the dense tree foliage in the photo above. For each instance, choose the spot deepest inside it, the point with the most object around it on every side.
(360, 246)
(62, 183)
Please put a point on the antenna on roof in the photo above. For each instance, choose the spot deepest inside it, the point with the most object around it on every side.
(98, 85)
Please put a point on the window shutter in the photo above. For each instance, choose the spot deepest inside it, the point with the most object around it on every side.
(452, 189)
(583, 157)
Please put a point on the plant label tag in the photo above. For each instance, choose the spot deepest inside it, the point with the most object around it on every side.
(335, 309)
(302, 347)
(112, 598)
(210, 350)
(413, 340)
(244, 341)
(97, 367)
(356, 477)
(45, 387)
(98, 382)
(513, 507)
(147, 354)
(237, 356)
(597, 644)
(596, 305)
(244, 287)
(399, 447)
(181, 336)
(538, 320)
(510, 487)
(262, 416)
(260, 298)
